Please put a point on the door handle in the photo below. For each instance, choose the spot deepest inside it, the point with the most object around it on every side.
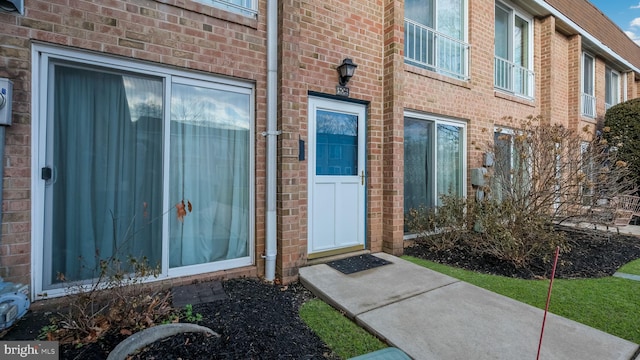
(49, 174)
(362, 177)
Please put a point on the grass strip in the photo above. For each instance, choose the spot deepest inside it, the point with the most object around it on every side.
(342, 335)
(609, 304)
(632, 268)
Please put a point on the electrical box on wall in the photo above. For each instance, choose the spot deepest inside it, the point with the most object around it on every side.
(477, 176)
(488, 159)
(6, 91)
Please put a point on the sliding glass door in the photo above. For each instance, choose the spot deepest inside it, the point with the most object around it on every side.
(145, 165)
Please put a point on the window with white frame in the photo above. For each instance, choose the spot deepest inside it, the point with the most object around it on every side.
(588, 85)
(244, 7)
(513, 60)
(147, 162)
(435, 36)
(434, 160)
(512, 168)
(611, 88)
(587, 169)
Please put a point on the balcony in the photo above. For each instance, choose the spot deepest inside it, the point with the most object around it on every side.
(588, 105)
(244, 7)
(513, 78)
(432, 50)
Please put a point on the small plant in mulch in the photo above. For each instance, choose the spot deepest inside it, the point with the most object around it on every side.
(118, 300)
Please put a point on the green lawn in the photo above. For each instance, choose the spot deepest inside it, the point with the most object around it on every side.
(610, 304)
(342, 335)
(631, 268)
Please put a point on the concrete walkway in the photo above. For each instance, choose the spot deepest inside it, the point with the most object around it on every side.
(436, 317)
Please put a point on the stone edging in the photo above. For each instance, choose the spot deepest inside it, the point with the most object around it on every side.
(148, 336)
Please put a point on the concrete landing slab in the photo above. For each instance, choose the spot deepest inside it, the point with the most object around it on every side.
(370, 289)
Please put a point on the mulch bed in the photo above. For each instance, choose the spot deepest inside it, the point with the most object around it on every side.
(256, 321)
(260, 321)
(592, 254)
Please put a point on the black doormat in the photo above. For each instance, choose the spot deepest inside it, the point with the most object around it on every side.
(357, 263)
(200, 293)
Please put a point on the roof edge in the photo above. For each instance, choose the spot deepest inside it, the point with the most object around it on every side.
(555, 12)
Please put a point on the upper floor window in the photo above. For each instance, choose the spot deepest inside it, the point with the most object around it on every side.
(513, 62)
(243, 7)
(435, 36)
(588, 85)
(611, 88)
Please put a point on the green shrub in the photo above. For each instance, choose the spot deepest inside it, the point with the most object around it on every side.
(495, 228)
(622, 130)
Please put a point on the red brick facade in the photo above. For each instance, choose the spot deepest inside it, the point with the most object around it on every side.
(313, 38)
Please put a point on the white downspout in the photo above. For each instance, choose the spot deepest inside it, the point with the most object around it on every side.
(271, 134)
(624, 86)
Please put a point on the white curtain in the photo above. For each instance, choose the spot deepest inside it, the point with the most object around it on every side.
(209, 168)
(449, 175)
(107, 183)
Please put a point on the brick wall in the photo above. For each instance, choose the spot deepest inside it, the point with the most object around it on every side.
(178, 33)
(316, 37)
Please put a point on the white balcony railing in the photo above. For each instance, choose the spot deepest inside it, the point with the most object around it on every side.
(244, 7)
(588, 105)
(513, 78)
(435, 51)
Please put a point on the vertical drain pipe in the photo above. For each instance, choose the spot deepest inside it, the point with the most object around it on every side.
(6, 94)
(271, 134)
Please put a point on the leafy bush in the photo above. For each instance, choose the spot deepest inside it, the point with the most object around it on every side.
(544, 174)
(622, 130)
(442, 228)
(486, 228)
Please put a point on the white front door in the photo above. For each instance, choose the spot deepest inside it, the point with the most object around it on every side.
(336, 176)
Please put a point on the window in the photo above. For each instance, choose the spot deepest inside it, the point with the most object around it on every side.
(434, 160)
(435, 34)
(128, 143)
(513, 61)
(244, 7)
(611, 88)
(588, 86)
(587, 168)
(512, 170)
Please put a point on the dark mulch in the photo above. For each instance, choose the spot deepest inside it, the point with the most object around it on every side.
(592, 254)
(260, 321)
(256, 321)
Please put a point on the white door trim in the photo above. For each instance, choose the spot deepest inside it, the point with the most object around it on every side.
(345, 186)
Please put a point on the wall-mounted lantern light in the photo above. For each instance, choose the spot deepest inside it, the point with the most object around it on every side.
(345, 71)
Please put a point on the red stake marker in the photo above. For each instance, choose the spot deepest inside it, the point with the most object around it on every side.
(546, 308)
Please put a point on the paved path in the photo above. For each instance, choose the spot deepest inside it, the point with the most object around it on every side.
(436, 317)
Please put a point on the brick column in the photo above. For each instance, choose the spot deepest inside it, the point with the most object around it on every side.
(547, 74)
(292, 178)
(574, 57)
(393, 128)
